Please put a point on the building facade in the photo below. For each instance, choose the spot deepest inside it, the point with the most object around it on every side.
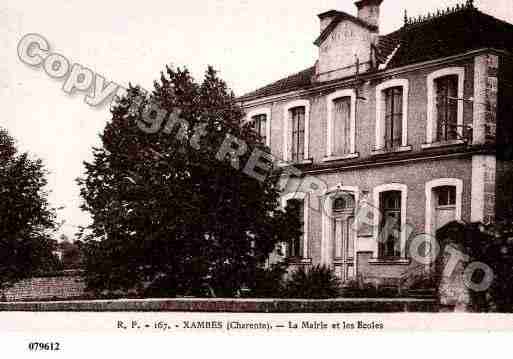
(392, 136)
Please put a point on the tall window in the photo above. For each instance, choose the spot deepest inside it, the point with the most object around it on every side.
(393, 117)
(260, 126)
(341, 126)
(446, 90)
(343, 235)
(390, 226)
(296, 206)
(298, 133)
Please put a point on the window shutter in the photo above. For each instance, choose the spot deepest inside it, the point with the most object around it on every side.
(341, 125)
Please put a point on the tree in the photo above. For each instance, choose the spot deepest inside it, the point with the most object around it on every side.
(71, 255)
(166, 210)
(26, 219)
(489, 247)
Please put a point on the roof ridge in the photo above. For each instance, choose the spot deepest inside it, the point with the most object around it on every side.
(421, 19)
(459, 31)
(495, 18)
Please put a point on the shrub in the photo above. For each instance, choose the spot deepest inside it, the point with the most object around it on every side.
(318, 282)
(269, 282)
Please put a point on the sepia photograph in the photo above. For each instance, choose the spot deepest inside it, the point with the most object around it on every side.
(255, 167)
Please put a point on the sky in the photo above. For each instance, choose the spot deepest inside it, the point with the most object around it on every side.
(250, 43)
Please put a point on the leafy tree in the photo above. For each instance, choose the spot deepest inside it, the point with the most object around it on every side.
(490, 244)
(165, 209)
(26, 219)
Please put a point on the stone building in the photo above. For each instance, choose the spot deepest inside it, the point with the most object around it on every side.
(413, 125)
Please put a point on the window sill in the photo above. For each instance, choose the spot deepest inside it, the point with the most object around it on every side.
(308, 161)
(383, 151)
(341, 158)
(299, 261)
(384, 261)
(338, 261)
(365, 235)
(442, 144)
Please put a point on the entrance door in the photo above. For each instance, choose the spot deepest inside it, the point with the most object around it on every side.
(343, 236)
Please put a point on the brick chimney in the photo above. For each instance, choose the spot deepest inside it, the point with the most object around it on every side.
(368, 11)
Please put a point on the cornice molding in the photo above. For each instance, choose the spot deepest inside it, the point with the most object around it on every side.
(349, 81)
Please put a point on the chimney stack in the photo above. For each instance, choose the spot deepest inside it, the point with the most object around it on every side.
(368, 11)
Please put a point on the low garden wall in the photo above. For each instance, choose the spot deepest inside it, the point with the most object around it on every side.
(344, 305)
(58, 286)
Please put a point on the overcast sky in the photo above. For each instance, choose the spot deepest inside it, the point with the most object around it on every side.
(251, 43)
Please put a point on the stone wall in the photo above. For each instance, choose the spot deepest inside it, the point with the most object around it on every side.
(46, 288)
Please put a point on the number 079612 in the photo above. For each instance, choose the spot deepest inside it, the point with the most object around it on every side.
(40, 346)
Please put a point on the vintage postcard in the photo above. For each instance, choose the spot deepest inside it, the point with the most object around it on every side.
(255, 168)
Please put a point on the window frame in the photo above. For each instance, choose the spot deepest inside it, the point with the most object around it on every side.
(431, 123)
(391, 116)
(297, 115)
(287, 133)
(330, 146)
(450, 203)
(377, 218)
(305, 197)
(379, 144)
(267, 113)
(443, 85)
(430, 187)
